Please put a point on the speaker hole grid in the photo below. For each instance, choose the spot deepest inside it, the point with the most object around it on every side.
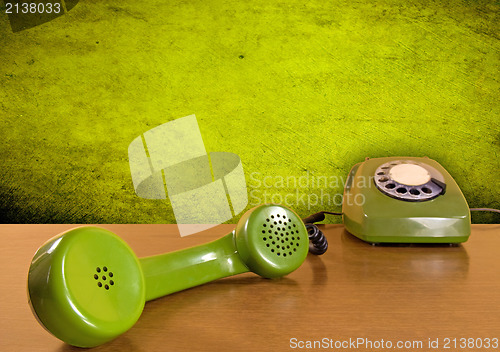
(287, 235)
(107, 280)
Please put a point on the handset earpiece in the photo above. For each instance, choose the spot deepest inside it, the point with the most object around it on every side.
(86, 286)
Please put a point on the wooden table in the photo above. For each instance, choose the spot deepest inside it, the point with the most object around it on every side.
(381, 294)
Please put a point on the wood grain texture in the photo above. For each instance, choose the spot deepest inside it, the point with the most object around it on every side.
(354, 290)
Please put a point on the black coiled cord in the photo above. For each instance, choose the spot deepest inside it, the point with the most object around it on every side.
(317, 240)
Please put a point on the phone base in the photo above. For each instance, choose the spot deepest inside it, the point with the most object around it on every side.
(375, 215)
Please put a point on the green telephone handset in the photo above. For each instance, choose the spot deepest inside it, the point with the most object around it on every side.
(86, 286)
(404, 200)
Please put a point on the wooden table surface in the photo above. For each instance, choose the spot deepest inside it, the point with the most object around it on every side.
(381, 294)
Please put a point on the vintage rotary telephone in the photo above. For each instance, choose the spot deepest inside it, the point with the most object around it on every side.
(405, 200)
(402, 200)
(86, 286)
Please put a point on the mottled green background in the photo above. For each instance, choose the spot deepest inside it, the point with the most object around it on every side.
(295, 88)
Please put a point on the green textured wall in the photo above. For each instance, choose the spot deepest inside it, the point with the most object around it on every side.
(295, 88)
